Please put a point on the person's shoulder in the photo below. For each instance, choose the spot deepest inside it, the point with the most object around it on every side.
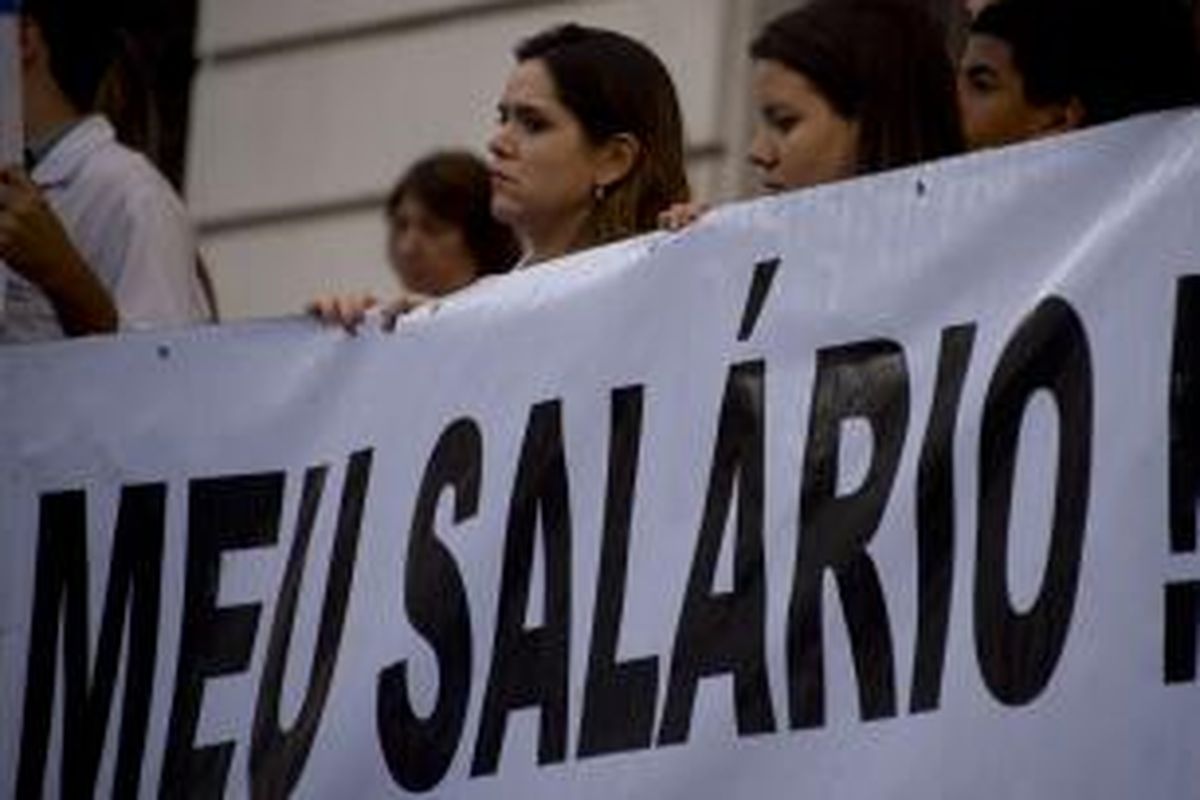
(127, 171)
(132, 194)
(120, 172)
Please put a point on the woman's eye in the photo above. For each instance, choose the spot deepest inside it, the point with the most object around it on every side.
(534, 123)
(781, 122)
(529, 120)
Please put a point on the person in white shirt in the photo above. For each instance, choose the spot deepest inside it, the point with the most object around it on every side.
(93, 237)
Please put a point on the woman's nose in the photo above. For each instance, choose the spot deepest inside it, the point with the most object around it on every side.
(761, 153)
(500, 143)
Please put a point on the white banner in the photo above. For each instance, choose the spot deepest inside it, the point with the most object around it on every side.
(884, 489)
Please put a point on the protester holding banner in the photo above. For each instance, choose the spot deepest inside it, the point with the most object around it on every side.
(845, 88)
(97, 237)
(442, 207)
(588, 148)
(441, 235)
(1034, 68)
(872, 75)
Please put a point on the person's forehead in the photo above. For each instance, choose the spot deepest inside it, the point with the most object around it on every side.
(776, 76)
(530, 81)
(986, 49)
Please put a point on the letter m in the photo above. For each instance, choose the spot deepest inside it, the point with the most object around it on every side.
(61, 613)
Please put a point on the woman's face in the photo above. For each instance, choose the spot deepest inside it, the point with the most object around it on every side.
(544, 169)
(800, 140)
(428, 253)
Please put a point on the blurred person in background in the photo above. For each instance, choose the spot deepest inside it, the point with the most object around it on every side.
(93, 236)
(588, 148)
(846, 88)
(441, 235)
(1035, 68)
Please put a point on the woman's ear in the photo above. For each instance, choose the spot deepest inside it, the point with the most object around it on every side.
(615, 159)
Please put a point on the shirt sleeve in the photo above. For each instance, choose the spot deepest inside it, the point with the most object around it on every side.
(159, 282)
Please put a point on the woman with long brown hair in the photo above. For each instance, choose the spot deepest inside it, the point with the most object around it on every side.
(846, 88)
(588, 149)
(589, 146)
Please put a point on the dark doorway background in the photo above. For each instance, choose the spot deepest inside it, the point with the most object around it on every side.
(153, 114)
(155, 118)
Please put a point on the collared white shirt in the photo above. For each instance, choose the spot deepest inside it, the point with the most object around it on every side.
(129, 226)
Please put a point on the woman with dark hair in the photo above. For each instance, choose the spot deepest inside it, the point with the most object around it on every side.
(873, 74)
(441, 236)
(846, 88)
(589, 147)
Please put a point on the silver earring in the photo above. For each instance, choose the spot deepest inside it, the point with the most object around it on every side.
(598, 192)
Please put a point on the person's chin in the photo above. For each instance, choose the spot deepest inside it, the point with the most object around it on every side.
(420, 282)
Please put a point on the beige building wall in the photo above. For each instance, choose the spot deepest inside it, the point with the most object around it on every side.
(305, 111)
